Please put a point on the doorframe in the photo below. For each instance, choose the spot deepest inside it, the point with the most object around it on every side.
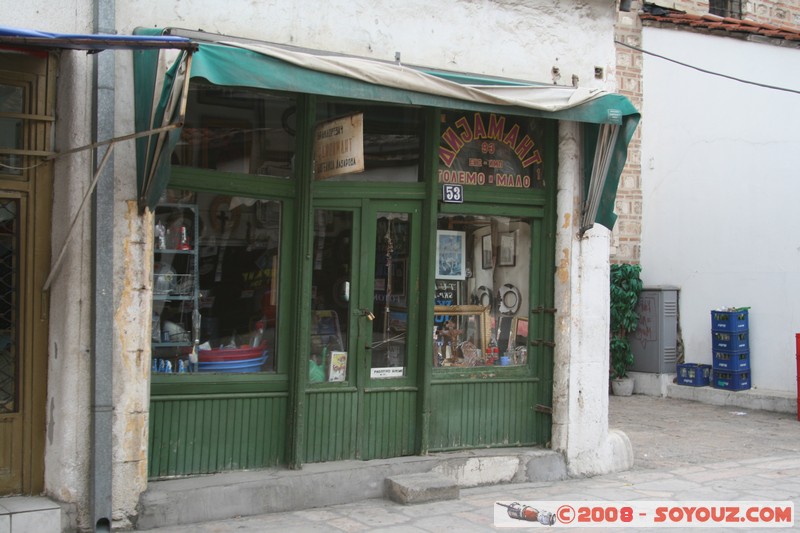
(412, 382)
(428, 191)
(34, 188)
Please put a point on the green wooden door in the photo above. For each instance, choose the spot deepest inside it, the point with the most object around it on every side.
(361, 394)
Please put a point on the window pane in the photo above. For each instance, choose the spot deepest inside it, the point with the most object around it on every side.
(482, 283)
(331, 282)
(9, 272)
(215, 282)
(11, 134)
(726, 8)
(389, 341)
(391, 140)
(231, 130)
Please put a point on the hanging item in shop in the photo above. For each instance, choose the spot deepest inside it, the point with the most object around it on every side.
(509, 299)
(483, 296)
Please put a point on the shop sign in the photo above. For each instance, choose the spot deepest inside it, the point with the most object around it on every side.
(387, 372)
(490, 150)
(339, 146)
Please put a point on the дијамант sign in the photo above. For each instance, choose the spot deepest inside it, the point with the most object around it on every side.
(490, 150)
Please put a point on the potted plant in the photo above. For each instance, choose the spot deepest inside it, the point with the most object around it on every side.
(625, 288)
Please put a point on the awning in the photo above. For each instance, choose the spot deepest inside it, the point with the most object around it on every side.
(274, 67)
(20, 39)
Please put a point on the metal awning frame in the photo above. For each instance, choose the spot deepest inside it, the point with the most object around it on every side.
(93, 43)
(26, 39)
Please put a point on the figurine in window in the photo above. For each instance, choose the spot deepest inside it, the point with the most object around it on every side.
(451, 334)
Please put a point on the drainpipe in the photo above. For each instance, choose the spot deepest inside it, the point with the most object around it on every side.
(103, 297)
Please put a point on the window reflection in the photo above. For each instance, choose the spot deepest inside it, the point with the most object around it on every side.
(331, 282)
(232, 130)
(390, 301)
(482, 285)
(391, 140)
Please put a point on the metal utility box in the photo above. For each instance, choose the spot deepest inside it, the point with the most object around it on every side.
(655, 341)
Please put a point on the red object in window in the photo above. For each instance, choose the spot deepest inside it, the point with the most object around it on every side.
(230, 354)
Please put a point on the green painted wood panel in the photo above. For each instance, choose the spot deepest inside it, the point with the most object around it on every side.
(330, 433)
(391, 424)
(215, 434)
(482, 414)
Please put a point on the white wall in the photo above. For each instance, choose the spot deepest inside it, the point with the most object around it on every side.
(720, 187)
(499, 37)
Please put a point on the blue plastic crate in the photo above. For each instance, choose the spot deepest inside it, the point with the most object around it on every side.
(693, 374)
(735, 361)
(728, 380)
(734, 341)
(736, 320)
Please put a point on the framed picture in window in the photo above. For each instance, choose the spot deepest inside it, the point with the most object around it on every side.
(486, 252)
(470, 323)
(508, 249)
(451, 255)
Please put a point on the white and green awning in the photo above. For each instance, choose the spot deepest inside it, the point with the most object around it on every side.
(280, 68)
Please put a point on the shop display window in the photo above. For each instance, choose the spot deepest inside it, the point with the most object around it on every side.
(215, 283)
(482, 286)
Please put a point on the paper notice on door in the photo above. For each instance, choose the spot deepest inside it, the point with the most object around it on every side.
(338, 367)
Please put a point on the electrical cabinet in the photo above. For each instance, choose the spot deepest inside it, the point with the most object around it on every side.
(655, 341)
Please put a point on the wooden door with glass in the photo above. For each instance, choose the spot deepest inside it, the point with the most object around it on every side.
(361, 392)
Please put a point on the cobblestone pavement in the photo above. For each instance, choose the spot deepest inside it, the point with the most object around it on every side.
(684, 452)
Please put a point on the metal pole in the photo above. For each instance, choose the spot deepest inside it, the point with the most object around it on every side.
(103, 269)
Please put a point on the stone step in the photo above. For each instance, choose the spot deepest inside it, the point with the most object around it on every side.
(421, 488)
(222, 496)
(29, 514)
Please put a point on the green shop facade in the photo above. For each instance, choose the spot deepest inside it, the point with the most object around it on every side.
(352, 259)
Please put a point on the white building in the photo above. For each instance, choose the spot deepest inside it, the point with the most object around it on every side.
(718, 160)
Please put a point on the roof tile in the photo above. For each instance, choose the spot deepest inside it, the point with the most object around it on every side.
(714, 22)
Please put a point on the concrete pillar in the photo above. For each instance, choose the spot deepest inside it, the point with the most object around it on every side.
(580, 380)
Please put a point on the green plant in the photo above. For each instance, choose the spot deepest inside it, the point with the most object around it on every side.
(625, 288)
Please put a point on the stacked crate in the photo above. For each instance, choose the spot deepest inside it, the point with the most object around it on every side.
(730, 341)
(693, 374)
